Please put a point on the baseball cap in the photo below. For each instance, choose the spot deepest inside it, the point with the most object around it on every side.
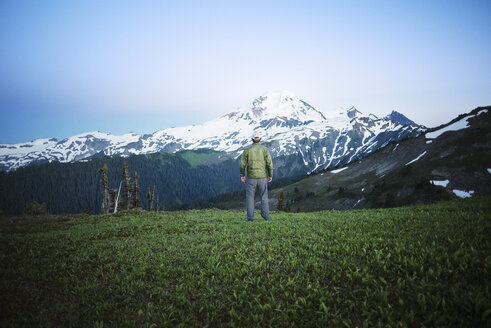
(256, 135)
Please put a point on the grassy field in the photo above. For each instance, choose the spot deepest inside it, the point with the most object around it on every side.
(401, 267)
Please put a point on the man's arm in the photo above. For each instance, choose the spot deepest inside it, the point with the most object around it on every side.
(243, 163)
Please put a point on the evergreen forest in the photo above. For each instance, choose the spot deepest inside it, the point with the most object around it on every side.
(76, 187)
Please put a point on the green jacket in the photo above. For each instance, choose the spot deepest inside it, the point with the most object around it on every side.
(257, 159)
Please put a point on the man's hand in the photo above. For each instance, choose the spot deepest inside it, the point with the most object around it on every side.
(270, 179)
(242, 179)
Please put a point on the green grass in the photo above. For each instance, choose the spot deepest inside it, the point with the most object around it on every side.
(197, 158)
(420, 266)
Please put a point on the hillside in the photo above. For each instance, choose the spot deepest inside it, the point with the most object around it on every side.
(453, 160)
(405, 267)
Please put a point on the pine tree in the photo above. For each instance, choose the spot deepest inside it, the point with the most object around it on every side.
(157, 203)
(287, 207)
(281, 201)
(153, 195)
(150, 198)
(137, 202)
(105, 193)
(126, 187)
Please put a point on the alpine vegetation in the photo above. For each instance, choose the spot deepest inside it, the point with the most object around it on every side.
(422, 266)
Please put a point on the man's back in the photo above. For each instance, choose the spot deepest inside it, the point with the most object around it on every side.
(258, 160)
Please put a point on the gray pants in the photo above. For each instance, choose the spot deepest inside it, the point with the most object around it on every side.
(262, 185)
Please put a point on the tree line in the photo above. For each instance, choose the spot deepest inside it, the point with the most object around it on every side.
(76, 187)
(130, 196)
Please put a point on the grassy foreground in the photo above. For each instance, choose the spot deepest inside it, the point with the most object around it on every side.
(425, 265)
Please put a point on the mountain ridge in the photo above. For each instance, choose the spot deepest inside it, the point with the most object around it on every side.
(290, 126)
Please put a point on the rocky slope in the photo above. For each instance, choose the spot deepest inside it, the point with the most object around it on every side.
(453, 160)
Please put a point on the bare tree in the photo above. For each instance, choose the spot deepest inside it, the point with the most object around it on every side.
(113, 193)
(117, 198)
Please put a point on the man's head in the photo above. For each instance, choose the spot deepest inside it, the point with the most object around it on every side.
(256, 137)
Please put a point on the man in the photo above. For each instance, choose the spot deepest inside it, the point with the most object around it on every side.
(259, 173)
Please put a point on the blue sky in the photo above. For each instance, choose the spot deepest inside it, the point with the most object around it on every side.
(68, 67)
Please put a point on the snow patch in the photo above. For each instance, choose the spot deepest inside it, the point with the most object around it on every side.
(338, 170)
(489, 171)
(443, 183)
(429, 141)
(459, 125)
(395, 147)
(359, 200)
(414, 160)
(462, 193)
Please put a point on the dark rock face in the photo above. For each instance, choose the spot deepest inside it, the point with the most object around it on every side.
(400, 118)
(415, 170)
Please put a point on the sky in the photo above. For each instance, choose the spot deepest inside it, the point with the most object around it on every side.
(68, 67)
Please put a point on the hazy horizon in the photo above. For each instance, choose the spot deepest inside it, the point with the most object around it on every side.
(199, 123)
(120, 66)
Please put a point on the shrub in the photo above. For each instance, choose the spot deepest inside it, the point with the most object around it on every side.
(35, 208)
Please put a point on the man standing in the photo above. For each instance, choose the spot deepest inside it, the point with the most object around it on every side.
(259, 173)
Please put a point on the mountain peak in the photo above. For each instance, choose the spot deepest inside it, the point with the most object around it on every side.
(353, 112)
(399, 118)
(284, 104)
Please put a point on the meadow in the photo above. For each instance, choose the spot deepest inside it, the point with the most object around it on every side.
(399, 267)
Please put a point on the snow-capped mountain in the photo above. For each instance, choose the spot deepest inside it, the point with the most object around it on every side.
(302, 138)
